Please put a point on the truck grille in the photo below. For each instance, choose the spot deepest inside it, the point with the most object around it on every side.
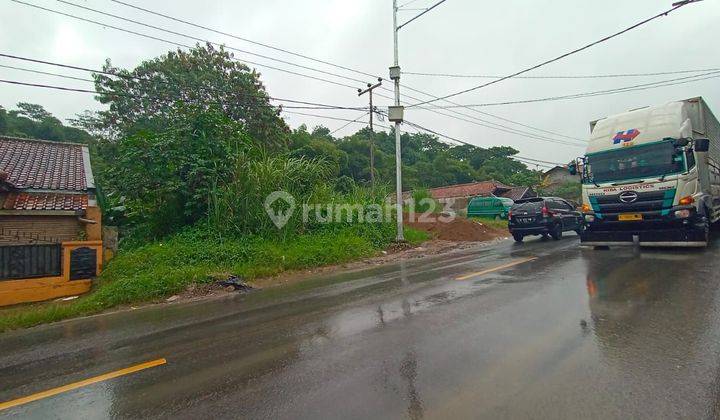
(646, 201)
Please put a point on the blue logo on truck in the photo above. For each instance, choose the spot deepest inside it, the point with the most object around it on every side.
(626, 136)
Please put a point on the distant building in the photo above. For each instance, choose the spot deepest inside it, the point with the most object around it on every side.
(461, 194)
(518, 193)
(558, 176)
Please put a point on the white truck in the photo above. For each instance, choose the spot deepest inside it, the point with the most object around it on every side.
(652, 176)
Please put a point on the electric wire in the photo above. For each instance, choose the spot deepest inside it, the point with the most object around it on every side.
(562, 56)
(632, 88)
(147, 25)
(177, 44)
(141, 79)
(186, 22)
(594, 76)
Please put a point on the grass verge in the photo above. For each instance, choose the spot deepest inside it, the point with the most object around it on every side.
(157, 270)
(493, 223)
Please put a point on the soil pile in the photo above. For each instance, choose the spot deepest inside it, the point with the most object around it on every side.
(459, 229)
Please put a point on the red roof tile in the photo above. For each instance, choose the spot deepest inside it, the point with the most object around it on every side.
(467, 190)
(43, 201)
(43, 164)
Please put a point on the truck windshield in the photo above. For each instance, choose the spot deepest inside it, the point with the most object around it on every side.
(634, 162)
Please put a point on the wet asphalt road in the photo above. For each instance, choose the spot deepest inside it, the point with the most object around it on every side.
(575, 333)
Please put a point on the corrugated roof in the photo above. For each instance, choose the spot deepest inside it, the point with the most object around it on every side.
(46, 165)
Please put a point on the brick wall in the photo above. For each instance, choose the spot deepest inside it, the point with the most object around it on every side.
(61, 228)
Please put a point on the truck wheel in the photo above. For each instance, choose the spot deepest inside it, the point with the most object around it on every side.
(518, 237)
(706, 231)
(704, 226)
(557, 233)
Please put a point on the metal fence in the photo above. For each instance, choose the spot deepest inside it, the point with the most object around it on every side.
(26, 261)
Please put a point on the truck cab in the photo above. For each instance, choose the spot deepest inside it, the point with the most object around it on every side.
(651, 176)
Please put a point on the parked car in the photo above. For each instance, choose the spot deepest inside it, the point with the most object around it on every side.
(544, 216)
(493, 207)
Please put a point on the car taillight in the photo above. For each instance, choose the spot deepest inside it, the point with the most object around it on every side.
(509, 214)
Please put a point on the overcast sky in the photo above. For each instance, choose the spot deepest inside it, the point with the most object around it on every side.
(459, 36)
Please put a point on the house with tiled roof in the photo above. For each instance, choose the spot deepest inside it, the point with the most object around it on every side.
(461, 194)
(46, 189)
(50, 224)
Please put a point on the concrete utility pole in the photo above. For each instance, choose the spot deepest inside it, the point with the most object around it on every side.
(361, 92)
(395, 114)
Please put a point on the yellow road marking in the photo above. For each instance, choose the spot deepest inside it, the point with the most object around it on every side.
(500, 267)
(85, 382)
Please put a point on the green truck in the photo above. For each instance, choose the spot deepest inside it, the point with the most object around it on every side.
(491, 207)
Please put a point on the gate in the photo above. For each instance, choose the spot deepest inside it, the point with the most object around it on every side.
(27, 261)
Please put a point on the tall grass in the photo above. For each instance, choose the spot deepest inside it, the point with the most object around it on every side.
(238, 206)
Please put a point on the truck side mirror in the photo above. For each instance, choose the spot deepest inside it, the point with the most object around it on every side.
(681, 142)
(572, 168)
(702, 145)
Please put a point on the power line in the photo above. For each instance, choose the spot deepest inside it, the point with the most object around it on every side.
(177, 44)
(420, 14)
(417, 126)
(47, 73)
(457, 105)
(333, 118)
(348, 123)
(130, 76)
(562, 56)
(314, 105)
(406, 4)
(147, 25)
(186, 22)
(127, 95)
(593, 76)
(502, 128)
(263, 65)
(632, 88)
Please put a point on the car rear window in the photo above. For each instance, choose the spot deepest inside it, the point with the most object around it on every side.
(528, 205)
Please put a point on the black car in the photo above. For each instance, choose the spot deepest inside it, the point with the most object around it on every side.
(543, 216)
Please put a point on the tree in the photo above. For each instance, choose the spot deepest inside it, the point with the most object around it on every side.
(165, 178)
(149, 96)
(3, 120)
(35, 112)
(33, 121)
(317, 145)
(569, 191)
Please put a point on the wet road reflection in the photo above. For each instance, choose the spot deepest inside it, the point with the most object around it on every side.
(576, 333)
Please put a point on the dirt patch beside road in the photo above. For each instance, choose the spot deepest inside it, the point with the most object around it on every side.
(458, 230)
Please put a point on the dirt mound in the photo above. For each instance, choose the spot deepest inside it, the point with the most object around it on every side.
(460, 229)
